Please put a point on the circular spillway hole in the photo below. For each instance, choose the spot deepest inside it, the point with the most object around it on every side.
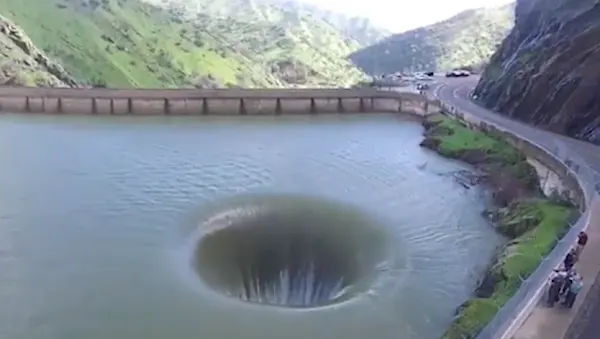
(289, 251)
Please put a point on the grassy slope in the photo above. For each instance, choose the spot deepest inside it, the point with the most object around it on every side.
(500, 155)
(358, 29)
(23, 64)
(352, 29)
(517, 261)
(127, 43)
(268, 32)
(465, 39)
(533, 224)
(74, 35)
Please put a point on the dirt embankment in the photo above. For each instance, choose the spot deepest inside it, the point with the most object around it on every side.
(531, 221)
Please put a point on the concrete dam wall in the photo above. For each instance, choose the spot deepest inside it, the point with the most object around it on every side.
(209, 102)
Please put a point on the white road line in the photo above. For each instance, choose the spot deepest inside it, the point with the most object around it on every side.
(455, 92)
(436, 91)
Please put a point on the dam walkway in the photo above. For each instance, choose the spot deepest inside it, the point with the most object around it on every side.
(103, 101)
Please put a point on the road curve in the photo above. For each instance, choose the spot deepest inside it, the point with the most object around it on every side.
(456, 93)
(545, 323)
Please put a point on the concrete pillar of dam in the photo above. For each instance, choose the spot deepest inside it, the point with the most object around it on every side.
(242, 107)
(278, 106)
(94, 106)
(59, 105)
(130, 105)
(166, 106)
(313, 106)
(43, 104)
(399, 105)
(204, 106)
(361, 105)
(112, 106)
(372, 103)
(27, 105)
(340, 106)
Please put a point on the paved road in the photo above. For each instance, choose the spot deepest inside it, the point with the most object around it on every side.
(583, 321)
(456, 93)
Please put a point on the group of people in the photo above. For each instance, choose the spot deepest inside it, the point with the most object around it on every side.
(566, 283)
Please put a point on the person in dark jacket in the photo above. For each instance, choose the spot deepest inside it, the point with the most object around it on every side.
(557, 282)
(570, 259)
(582, 239)
(567, 283)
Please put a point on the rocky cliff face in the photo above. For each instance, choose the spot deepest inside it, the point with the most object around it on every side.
(547, 70)
(23, 64)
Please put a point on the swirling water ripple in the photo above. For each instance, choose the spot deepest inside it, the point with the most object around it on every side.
(95, 213)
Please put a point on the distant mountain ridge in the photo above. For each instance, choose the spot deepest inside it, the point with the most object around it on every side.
(235, 43)
(185, 43)
(359, 28)
(468, 38)
(315, 41)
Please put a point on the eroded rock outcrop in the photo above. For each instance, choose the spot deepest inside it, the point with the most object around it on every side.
(22, 63)
(547, 70)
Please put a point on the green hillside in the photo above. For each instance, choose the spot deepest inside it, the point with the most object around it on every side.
(468, 38)
(352, 29)
(294, 40)
(129, 43)
(23, 64)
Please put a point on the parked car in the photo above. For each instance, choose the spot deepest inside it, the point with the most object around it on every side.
(429, 74)
(457, 74)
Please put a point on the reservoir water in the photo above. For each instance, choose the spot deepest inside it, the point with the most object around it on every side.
(101, 217)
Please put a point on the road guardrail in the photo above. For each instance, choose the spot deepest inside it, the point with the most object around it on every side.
(513, 313)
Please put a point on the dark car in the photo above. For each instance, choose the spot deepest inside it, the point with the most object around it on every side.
(429, 74)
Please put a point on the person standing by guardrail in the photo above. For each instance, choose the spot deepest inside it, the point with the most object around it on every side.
(557, 281)
(574, 289)
(582, 239)
(570, 259)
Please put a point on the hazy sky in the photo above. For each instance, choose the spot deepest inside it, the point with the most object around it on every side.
(401, 15)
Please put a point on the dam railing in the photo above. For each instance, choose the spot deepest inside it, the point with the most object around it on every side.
(109, 101)
(514, 312)
(184, 93)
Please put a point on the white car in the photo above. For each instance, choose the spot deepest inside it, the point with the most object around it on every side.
(457, 74)
(423, 77)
